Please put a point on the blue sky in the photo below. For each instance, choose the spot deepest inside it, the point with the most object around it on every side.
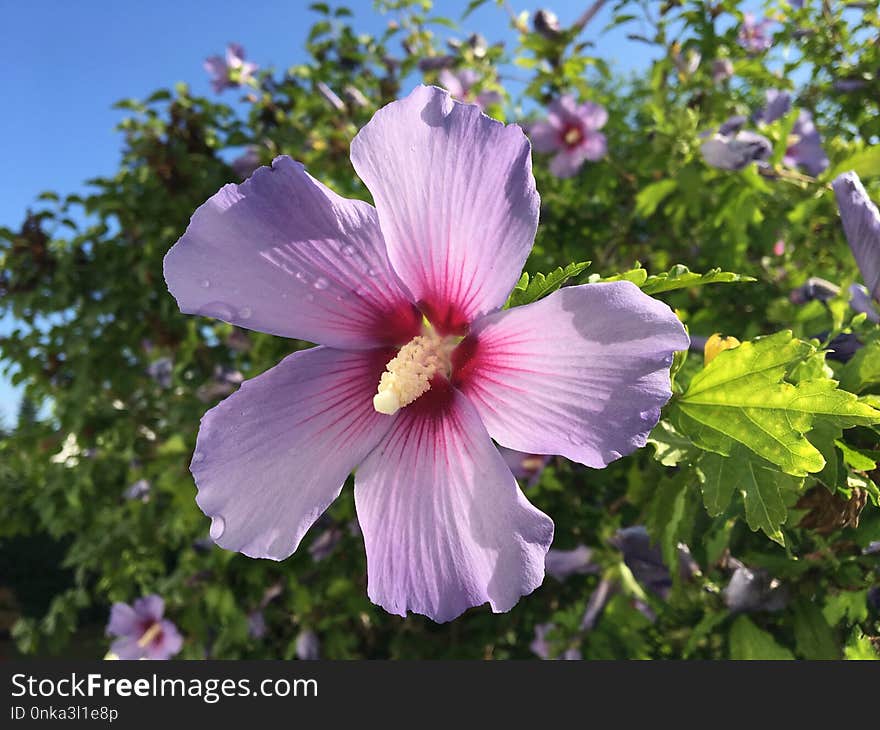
(68, 62)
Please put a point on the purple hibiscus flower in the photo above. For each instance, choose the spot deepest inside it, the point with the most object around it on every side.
(231, 71)
(142, 632)
(733, 149)
(418, 367)
(805, 146)
(778, 105)
(754, 35)
(571, 130)
(861, 224)
(461, 85)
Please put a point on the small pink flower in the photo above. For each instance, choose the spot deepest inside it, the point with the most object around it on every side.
(779, 248)
(572, 132)
(142, 632)
(461, 85)
(231, 71)
(754, 35)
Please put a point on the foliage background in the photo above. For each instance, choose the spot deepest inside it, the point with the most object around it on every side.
(96, 329)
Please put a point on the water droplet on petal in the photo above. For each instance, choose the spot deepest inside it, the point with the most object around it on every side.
(218, 525)
(300, 276)
(245, 312)
(205, 283)
(348, 250)
(371, 271)
(321, 283)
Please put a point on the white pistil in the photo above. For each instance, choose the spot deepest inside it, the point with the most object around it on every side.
(150, 634)
(408, 375)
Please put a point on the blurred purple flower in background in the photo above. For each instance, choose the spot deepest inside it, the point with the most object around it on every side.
(542, 648)
(411, 407)
(754, 35)
(256, 624)
(777, 106)
(805, 146)
(848, 85)
(355, 97)
(735, 151)
(160, 370)
(571, 130)
(323, 545)
(564, 563)
(646, 562)
(223, 382)
(231, 71)
(142, 632)
(246, 163)
(461, 85)
(751, 590)
(308, 645)
(527, 467)
(139, 490)
(330, 96)
(722, 69)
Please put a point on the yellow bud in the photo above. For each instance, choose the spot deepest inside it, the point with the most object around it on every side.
(718, 343)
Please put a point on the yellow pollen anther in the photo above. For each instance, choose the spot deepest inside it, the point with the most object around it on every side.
(408, 375)
(572, 136)
(150, 634)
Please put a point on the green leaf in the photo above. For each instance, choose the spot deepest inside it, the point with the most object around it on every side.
(786, 125)
(761, 487)
(824, 437)
(529, 290)
(748, 642)
(863, 369)
(716, 482)
(637, 276)
(741, 398)
(858, 459)
(814, 638)
(652, 195)
(860, 648)
(680, 277)
(667, 520)
(670, 447)
(866, 163)
(851, 606)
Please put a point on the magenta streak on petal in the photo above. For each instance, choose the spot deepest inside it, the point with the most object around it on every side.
(444, 524)
(582, 373)
(456, 202)
(272, 457)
